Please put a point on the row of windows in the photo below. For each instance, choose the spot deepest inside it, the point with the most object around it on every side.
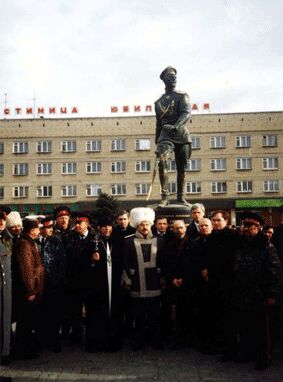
(142, 189)
(241, 141)
(70, 168)
(95, 167)
(70, 146)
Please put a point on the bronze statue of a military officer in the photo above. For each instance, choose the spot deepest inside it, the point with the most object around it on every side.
(172, 111)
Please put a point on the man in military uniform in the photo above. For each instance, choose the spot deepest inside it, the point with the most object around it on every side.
(172, 111)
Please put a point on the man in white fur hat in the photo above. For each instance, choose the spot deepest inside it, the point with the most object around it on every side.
(14, 224)
(143, 276)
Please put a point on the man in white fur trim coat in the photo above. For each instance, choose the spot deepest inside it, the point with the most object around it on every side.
(143, 276)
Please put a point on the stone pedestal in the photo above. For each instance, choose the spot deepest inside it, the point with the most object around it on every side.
(174, 212)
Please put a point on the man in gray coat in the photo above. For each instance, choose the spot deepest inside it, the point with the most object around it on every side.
(5, 304)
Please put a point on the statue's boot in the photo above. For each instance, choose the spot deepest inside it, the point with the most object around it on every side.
(163, 177)
(180, 190)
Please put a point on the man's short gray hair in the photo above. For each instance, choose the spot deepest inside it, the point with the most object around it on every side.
(198, 205)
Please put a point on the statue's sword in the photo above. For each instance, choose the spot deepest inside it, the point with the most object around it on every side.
(164, 111)
(152, 180)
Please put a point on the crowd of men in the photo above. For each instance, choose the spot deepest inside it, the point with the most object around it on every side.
(206, 285)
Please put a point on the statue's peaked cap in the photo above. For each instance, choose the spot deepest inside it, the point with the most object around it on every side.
(169, 68)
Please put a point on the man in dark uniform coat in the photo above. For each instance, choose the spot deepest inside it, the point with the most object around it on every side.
(62, 229)
(53, 259)
(172, 111)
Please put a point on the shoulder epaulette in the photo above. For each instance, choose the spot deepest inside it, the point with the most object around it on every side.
(180, 92)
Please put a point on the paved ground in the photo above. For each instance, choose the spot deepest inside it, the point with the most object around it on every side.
(73, 364)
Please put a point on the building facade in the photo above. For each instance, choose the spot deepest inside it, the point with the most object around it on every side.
(236, 162)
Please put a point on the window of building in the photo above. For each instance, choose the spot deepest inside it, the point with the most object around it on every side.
(44, 192)
(171, 165)
(142, 188)
(118, 166)
(1, 148)
(20, 192)
(195, 143)
(20, 147)
(69, 190)
(269, 140)
(44, 147)
(193, 187)
(172, 187)
(20, 169)
(93, 189)
(118, 145)
(68, 146)
(142, 144)
(44, 168)
(270, 163)
(271, 185)
(1, 192)
(193, 165)
(93, 167)
(218, 164)
(218, 142)
(69, 168)
(93, 145)
(243, 163)
(118, 189)
(244, 186)
(243, 141)
(143, 166)
(1, 169)
(218, 187)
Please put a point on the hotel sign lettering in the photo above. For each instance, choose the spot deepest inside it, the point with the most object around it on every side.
(149, 108)
(41, 110)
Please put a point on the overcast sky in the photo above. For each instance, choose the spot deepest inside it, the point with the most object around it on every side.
(94, 54)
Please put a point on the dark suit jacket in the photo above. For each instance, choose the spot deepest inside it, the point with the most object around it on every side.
(192, 231)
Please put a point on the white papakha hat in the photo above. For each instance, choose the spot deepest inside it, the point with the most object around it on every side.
(141, 214)
(13, 218)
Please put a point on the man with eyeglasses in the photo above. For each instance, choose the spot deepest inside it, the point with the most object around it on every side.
(256, 280)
